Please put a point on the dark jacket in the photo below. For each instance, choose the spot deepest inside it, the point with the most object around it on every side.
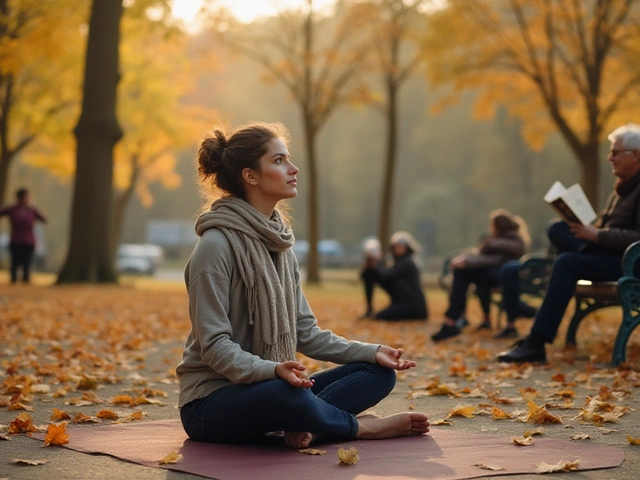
(620, 221)
(404, 285)
(494, 251)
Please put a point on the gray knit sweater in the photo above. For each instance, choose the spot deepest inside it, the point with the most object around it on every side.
(218, 352)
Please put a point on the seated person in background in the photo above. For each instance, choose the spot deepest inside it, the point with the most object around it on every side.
(511, 303)
(589, 252)
(400, 278)
(507, 240)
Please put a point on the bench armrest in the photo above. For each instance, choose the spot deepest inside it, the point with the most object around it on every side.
(630, 258)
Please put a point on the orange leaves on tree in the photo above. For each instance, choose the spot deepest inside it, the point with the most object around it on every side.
(56, 434)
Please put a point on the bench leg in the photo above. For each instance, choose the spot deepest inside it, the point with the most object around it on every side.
(630, 298)
(584, 306)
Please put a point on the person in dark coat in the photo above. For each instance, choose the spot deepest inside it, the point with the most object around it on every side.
(507, 240)
(400, 278)
(22, 243)
(588, 252)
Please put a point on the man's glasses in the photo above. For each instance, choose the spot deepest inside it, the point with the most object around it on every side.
(615, 153)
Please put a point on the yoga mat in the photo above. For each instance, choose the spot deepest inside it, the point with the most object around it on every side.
(443, 454)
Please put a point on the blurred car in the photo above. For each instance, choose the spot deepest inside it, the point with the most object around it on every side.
(332, 253)
(141, 258)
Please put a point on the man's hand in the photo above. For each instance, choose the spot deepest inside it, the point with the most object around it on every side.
(584, 232)
(292, 372)
(390, 358)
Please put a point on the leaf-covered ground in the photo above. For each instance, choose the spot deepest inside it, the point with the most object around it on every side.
(89, 354)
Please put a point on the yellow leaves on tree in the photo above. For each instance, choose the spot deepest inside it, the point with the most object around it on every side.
(56, 434)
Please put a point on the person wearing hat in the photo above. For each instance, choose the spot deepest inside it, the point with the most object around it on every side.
(400, 278)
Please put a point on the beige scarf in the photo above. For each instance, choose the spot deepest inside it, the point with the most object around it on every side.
(270, 286)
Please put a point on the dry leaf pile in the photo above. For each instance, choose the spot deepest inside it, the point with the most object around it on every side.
(87, 354)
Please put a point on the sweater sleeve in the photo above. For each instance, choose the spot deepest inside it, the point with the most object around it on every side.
(324, 345)
(212, 329)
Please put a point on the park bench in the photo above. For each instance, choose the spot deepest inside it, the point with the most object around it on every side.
(591, 296)
(535, 270)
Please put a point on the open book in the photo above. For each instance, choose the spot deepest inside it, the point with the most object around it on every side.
(570, 203)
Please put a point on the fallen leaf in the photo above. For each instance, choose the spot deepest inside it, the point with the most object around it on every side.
(22, 461)
(581, 436)
(462, 411)
(561, 466)
(348, 457)
(20, 406)
(633, 441)
(106, 414)
(57, 415)
(524, 441)
(499, 414)
(559, 377)
(444, 421)
(495, 468)
(87, 382)
(80, 417)
(540, 415)
(533, 433)
(22, 424)
(171, 457)
(5, 437)
(312, 451)
(56, 435)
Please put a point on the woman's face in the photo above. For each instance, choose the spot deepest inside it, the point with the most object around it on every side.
(277, 176)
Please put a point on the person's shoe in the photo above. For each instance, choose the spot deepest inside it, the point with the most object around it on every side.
(461, 323)
(507, 333)
(368, 314)
(483, 326)
(525, 350)
(447, 331)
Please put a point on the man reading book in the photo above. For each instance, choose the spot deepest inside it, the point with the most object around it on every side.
(589, 252)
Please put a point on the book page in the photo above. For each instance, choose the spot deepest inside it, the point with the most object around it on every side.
(576, 199)
(554, 192)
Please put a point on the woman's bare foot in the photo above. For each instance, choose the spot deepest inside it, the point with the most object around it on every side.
(399, 425)
(298, 439)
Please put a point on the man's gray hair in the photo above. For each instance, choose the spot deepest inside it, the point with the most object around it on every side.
(629, 136)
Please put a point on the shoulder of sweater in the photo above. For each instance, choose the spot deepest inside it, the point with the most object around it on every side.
(213, 249)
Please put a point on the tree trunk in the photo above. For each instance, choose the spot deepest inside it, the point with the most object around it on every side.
(120, 206)
(89, 256)
(386, 201)
(313, 264)
(590, 173)
(5, 161)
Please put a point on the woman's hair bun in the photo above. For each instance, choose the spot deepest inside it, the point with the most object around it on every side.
(211, 153)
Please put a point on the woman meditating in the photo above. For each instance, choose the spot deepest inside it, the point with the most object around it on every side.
(239, 377)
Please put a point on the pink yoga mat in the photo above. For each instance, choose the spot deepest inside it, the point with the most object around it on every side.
(443, 454)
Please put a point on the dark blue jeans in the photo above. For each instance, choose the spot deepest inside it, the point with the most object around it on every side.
(510, 281)
(245, 412)
(575, 262)
(484, 278)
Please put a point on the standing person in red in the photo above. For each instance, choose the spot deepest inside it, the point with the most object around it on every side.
(22, 242)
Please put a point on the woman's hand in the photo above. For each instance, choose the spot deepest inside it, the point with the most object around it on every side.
(458, 262)
(584, 232)
(292, 372)
(390, 358)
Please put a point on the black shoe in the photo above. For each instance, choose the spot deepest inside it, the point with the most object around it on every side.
(483, 326)
(525, 350)
(461, 323)
(445, 332)
(507, 333)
